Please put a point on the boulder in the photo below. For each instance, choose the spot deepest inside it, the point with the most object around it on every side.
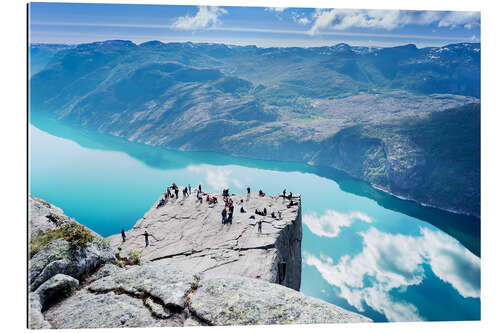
(243, 301)
(59, 285)
(60, 257)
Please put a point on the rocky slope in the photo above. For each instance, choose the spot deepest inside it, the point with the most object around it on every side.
(66, 253)
(272, 103)
(81, 286)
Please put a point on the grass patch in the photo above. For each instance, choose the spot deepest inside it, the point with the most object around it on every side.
(73, 232)
(134, 258)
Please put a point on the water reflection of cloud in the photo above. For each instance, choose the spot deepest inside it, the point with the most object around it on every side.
(216, 177)
(393, 262)
(330, 223)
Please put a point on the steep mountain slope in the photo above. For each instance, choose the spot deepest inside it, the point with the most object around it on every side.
(292, 104)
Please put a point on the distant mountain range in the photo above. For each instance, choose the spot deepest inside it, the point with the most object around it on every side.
(372, 112)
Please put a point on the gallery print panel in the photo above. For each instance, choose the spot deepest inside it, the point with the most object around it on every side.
(217, 166)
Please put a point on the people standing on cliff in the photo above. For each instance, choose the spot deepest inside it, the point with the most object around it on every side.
(224, 213)
(189, 189)
(248, 190)
(264, 211)
(284, 193)
(230, 217)
(146, 237)
(259, 224)
(124, 237)
(199, 188)
(176, 192)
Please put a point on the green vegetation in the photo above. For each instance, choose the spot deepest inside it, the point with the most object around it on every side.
(73, 232)
(134, 258)
(435, 159)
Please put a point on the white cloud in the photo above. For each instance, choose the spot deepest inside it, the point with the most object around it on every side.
(304, 21)
(330, 223)
(394, 262)
(276, 9)
(300, 18)
(206, 17)
(217, 178)
(454, 19)
(342, 19)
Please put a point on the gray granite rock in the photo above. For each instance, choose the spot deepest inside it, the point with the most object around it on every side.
(154, 280)
(195, 272)
(105, 270)
(59, 257)
(189, 236)
(89, 310)
(244, 301)
(36, 319)
(155, 295)
(59, 285)
(43, 216)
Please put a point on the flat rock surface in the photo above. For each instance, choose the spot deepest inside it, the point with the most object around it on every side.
(190, 236)
(244, 301)
(156, 295)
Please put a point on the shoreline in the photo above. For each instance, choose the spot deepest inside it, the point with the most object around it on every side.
(244, 157)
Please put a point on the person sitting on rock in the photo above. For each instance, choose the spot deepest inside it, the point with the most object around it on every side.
(161, 203)
(242, 210)
(279, 215)
(208, 198)
(273, 215)
(261, 193)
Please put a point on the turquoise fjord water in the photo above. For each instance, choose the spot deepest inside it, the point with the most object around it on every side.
(364, 250)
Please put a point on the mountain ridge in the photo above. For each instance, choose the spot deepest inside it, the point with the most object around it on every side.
(265, 103)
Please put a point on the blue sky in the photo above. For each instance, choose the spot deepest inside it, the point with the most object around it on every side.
(80, 23)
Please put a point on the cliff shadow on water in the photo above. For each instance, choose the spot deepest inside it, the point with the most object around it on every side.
(466, 229)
